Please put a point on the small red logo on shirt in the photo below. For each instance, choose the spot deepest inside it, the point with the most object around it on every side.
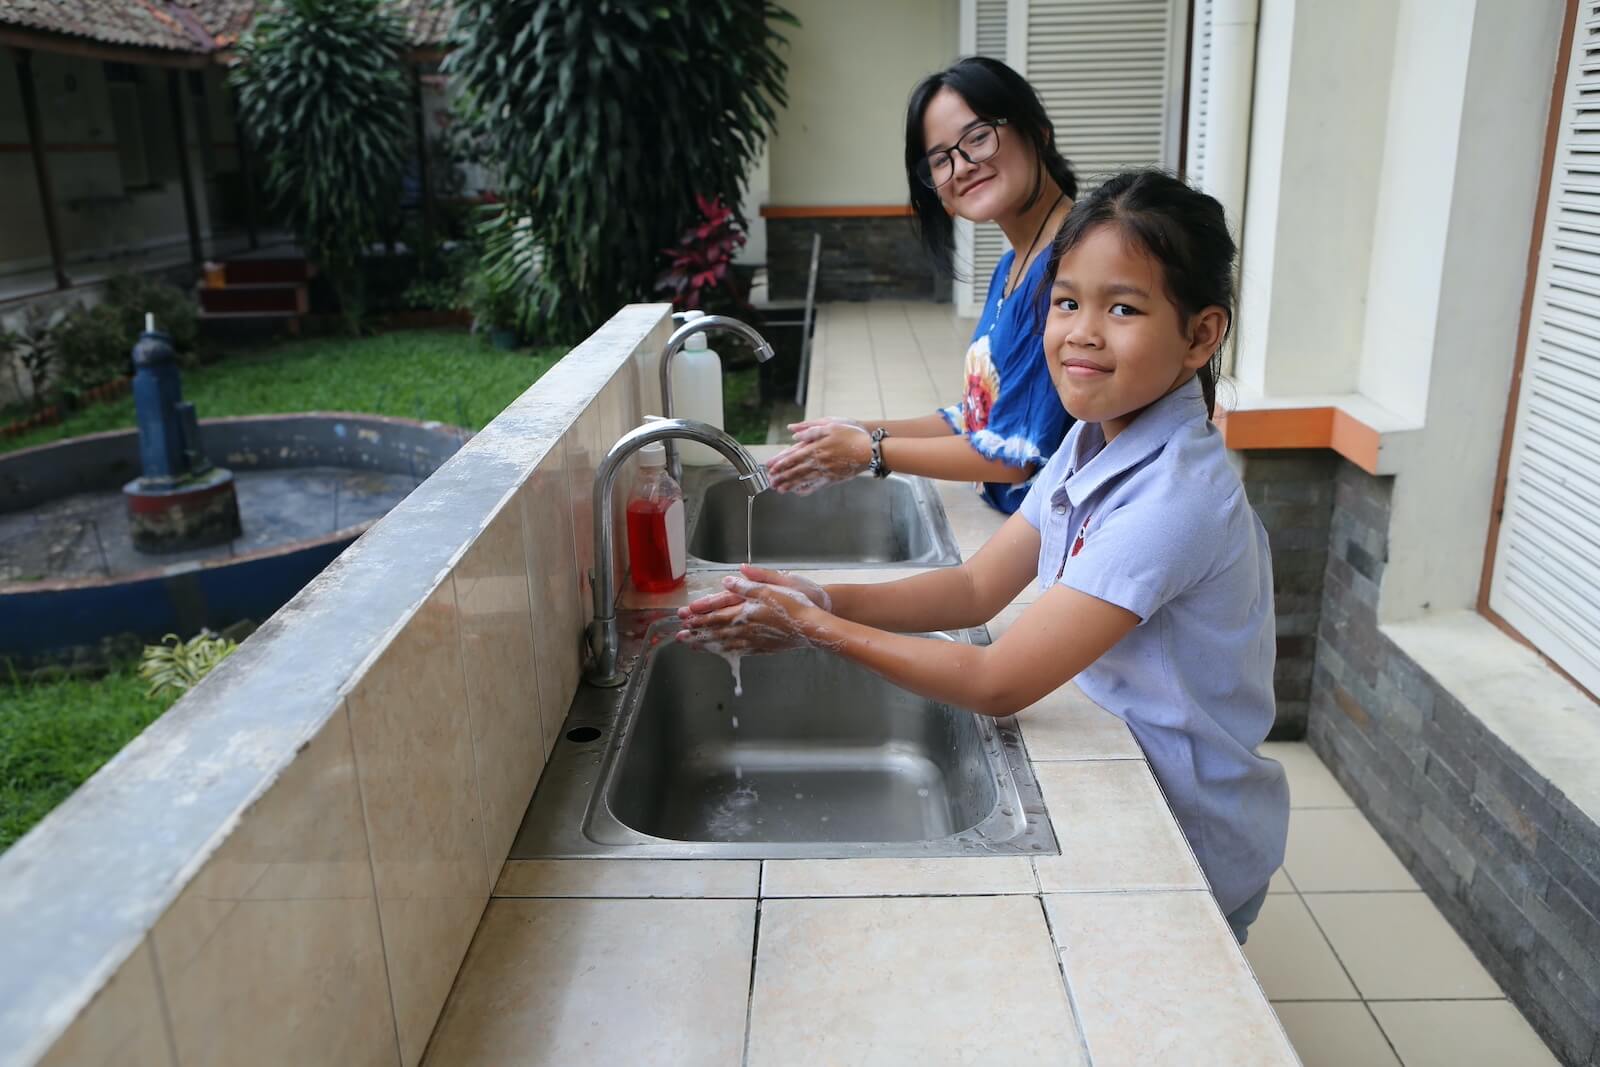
(1077, 546)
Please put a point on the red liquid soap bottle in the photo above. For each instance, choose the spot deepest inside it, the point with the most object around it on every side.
(656, 539)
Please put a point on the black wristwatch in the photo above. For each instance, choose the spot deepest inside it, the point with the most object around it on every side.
(878, 468)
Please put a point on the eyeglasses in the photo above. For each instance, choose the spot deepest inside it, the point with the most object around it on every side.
(976, 145)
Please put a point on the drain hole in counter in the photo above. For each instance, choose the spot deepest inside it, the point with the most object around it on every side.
(581, 734)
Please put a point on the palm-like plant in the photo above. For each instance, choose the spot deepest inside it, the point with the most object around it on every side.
(323, 92)
(603, 120)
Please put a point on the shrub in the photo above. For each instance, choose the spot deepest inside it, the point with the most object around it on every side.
(93, 346)
(175, 666)
(33, 348)
(132, 295)
(323, 92)
(603, 120)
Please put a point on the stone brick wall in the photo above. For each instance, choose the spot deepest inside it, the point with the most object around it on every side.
(1513, 864)
(862, 259)
(1292, 491)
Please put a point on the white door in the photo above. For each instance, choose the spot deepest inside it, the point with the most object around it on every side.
(1546, 580)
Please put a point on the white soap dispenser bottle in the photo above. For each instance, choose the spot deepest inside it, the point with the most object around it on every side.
(697, 393)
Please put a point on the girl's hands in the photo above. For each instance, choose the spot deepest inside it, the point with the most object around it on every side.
(825, 451)
(755, 616)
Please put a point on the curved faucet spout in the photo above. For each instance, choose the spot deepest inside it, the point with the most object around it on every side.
(675, 343)
(603, 579)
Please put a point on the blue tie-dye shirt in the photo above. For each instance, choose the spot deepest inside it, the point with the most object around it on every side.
(1009, 409)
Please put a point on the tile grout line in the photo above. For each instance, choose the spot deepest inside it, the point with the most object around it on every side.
(167, 1029)
(493, 878)
(1066, 983)
(372, 872)
(750, 994)
(1300, 896)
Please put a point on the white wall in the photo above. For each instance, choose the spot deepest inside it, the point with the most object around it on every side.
(852, 65)
(1486, 177)
(1316, 150)
(95, 214)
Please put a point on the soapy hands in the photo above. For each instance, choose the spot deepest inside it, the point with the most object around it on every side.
(758, 611)
(825, 451)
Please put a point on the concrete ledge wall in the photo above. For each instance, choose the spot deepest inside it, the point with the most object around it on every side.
(289, 865)
(1510, 860)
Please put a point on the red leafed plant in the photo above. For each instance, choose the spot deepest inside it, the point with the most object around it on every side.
(702, 260)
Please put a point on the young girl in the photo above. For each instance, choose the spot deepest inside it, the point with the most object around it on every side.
(978, 145)
(1156, 585)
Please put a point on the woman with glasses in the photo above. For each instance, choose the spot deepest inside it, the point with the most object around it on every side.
(978, 145)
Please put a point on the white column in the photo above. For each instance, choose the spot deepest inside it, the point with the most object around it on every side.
(1229, 84)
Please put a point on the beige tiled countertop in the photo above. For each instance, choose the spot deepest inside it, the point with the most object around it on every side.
(1111, 953)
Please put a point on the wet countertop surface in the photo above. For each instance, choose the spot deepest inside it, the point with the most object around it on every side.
(1112, 952)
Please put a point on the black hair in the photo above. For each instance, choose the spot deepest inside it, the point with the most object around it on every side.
(1181, 228)
(993, 91)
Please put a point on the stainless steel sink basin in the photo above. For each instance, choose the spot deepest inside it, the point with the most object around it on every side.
(818, 758)
(864, 522)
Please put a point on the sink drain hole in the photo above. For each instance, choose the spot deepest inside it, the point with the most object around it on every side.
(581, 734)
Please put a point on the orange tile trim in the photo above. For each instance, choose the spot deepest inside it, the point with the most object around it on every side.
(836, 211)
(1321, 427)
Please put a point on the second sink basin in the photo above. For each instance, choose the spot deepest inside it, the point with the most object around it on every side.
(863, 522)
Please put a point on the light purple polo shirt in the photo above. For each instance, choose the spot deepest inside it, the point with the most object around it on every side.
(1157, 522)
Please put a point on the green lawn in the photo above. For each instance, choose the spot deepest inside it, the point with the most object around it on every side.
(451, 376)
(54, 735)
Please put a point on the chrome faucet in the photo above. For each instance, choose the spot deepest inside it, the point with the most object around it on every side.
(675, 343)
(603, 579)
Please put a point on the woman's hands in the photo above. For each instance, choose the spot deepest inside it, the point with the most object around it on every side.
(758, 611)
(825, 451)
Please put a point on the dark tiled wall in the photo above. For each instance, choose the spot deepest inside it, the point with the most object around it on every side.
(1292, 491)
(1510, 861)
(862, 259)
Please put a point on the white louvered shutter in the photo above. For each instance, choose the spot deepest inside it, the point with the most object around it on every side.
(1110, 75)
(1547, 564)
(1194, 153)
(979, 247)
(1107, 70)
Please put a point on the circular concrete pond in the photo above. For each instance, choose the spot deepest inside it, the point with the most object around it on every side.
(73, 589)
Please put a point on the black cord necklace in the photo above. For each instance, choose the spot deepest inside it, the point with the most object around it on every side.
(1022, 267)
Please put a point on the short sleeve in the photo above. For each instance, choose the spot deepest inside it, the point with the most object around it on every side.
(1043, 486)
(1143, 554)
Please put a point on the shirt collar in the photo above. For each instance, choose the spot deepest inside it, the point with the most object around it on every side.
(1095, 463)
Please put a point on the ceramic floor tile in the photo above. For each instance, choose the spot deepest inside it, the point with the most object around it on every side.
(122, 1025)
(1397, 946)
(1066, 725)
(1462, 1033)
(1336, 1034)
(1337, 850)
(546, 504)
(630, 878)
(960, 495)
(1290, 956)
(1157, 978)
(491, 588)
(896, 981)
(973, 527)
(281, 922)
(419, 788)
(637, 982)
(1115, 829)
(1280, 882)
(1311, 784)
(897, 877)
